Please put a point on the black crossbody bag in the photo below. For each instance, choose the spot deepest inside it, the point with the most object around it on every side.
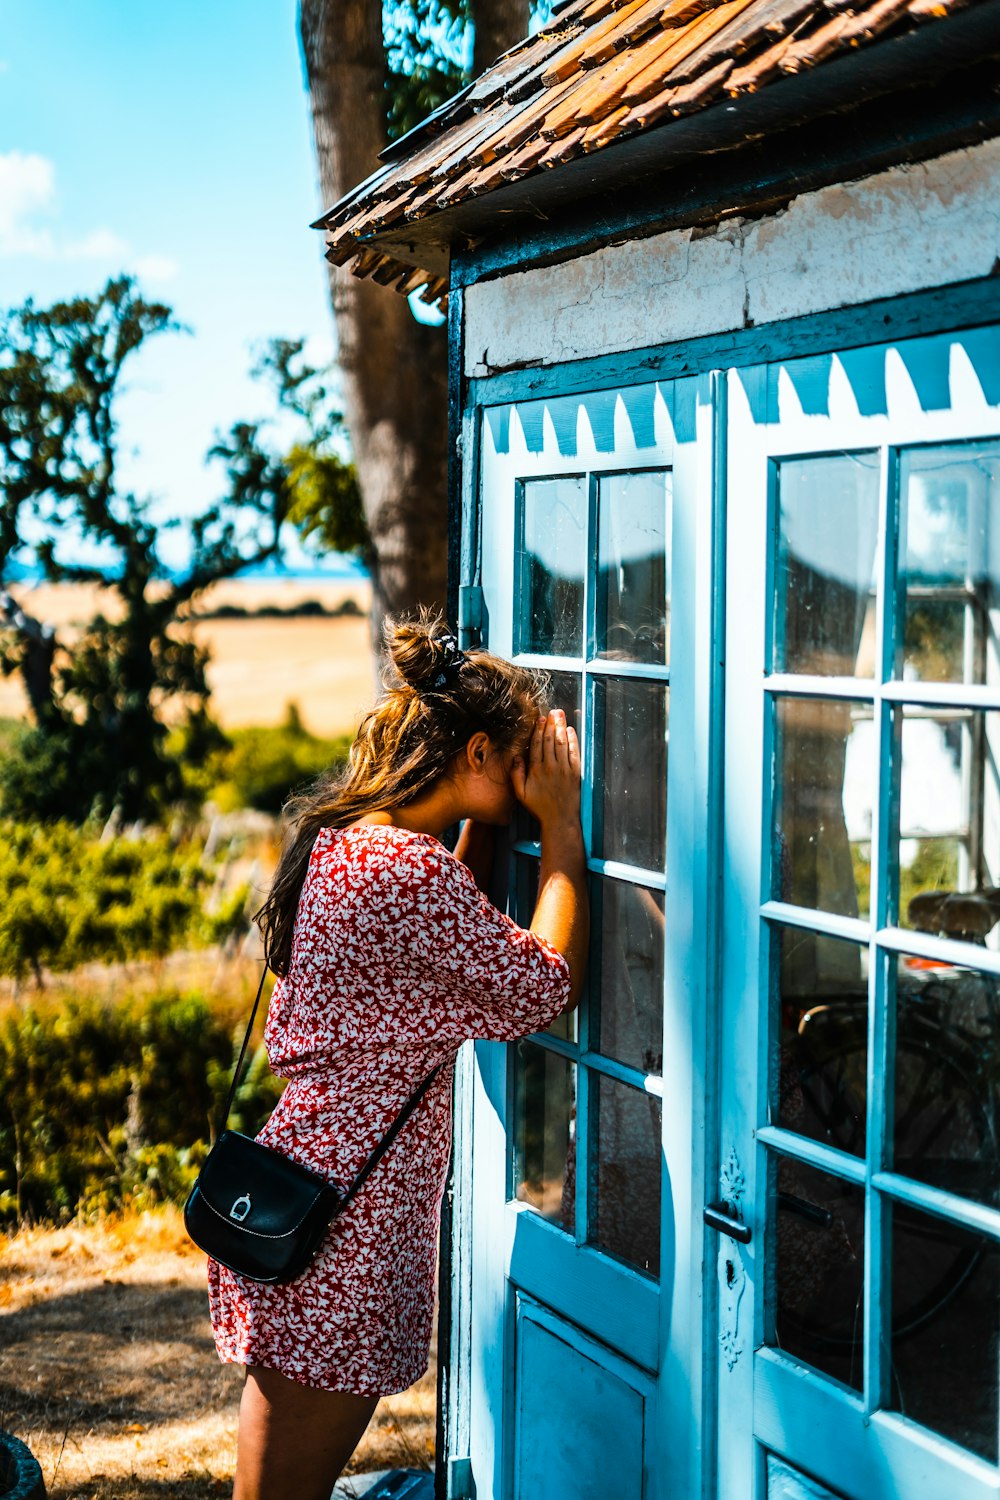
(260, 1214)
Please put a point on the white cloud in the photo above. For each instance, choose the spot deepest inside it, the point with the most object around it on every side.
(28, 194)
(27, 186)
(155, 267)
(99, 244)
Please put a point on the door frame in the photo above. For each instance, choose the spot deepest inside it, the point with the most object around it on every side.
(480, 1077)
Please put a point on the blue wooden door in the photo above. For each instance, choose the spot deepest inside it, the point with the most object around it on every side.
(584, 1199)
(860, 985)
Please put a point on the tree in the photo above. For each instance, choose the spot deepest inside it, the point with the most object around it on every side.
(96, 743)
(369, 78)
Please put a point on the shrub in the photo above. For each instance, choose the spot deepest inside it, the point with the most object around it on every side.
(109, 1105)
(67, 898)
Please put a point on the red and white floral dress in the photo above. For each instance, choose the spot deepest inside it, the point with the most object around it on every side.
(397, 959)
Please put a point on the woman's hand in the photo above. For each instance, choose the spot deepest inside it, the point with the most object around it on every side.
(546, 779)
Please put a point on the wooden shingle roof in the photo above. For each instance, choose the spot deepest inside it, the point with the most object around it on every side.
(600, 72)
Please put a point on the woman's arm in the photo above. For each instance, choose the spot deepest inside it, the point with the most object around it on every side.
(476, 847)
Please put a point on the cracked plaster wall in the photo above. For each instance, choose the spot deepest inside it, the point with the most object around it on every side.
(899, 231)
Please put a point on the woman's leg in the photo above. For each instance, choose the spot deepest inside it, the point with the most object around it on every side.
(293, 1440)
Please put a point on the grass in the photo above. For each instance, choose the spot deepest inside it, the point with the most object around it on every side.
(109, 1374)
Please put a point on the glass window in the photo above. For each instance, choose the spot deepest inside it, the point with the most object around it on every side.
(526, 899)
(824, 599)
(946, 1070)
(945, 1317)
(819, 1081)
(819, 1237)
(627, 973)
(630, 794)
(950, 562)
(633, 567)
(626, 1157)
(823, 802)
(553, 565)
(949, 822)
(545, 1133)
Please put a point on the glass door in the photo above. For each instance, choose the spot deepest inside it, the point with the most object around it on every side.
(859, 1281)
(575, 1216)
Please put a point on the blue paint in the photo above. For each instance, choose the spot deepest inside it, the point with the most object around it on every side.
(498, 418)
(640, 403)
(982, 345)
(810, 380)
(865, 370)
(927, 363)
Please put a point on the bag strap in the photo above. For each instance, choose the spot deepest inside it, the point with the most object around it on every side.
(243, 1052)
(386, 1141)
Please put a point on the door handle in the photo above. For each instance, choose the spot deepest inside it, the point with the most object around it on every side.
(717, 1216)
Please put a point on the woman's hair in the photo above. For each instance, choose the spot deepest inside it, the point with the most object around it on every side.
(434, 699)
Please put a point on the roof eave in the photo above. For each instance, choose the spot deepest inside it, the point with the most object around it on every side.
(923, 56)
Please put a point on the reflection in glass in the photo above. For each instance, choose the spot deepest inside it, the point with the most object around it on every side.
(564, 693)
(819, 1270)
(823, 801)
(827, 526)
(627, 924)
(630, 818)
(545, 1133)
(553, 563)
(945, 1317)
(525, 901)
(949, 823)
(819, 1082)
(950, 562)
(947, 1056)
(633, 566)
(625, 1155)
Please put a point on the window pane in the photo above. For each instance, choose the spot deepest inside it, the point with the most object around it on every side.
(553, 563)
(819, 1270)
(627, 923)
(946, 1069)
(819, 1087)
(630, 816)
(545, 1133)
(633, 567)
(950, 562)
(526, 899)
(949, 823)
(824, 795)
(945, 1304)
(827, 526)
(625, 1172)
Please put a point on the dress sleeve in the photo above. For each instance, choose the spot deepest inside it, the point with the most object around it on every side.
(501, 981)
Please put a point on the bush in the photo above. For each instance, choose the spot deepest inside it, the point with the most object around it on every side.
(108, 1106)
(265, 766)
(67, 898)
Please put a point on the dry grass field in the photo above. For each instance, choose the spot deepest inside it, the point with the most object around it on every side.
(108, 1372)
(258, 665)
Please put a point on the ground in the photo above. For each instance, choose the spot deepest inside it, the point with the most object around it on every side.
(108, 1372)
(258, 665)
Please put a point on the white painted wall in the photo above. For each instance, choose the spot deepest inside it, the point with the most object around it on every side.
(899, 231)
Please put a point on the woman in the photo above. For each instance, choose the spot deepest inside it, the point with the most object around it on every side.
(389, 956)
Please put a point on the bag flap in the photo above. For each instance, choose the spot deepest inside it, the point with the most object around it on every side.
(250, 1185)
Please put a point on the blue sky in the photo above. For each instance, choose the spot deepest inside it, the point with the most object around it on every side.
(170, 138)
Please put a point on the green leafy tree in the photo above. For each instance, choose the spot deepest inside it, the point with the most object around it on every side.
(97, 738)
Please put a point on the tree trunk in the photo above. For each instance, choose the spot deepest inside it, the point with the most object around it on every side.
(499, 24)
(394, 368)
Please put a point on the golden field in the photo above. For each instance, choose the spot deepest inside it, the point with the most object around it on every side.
(258, 666)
